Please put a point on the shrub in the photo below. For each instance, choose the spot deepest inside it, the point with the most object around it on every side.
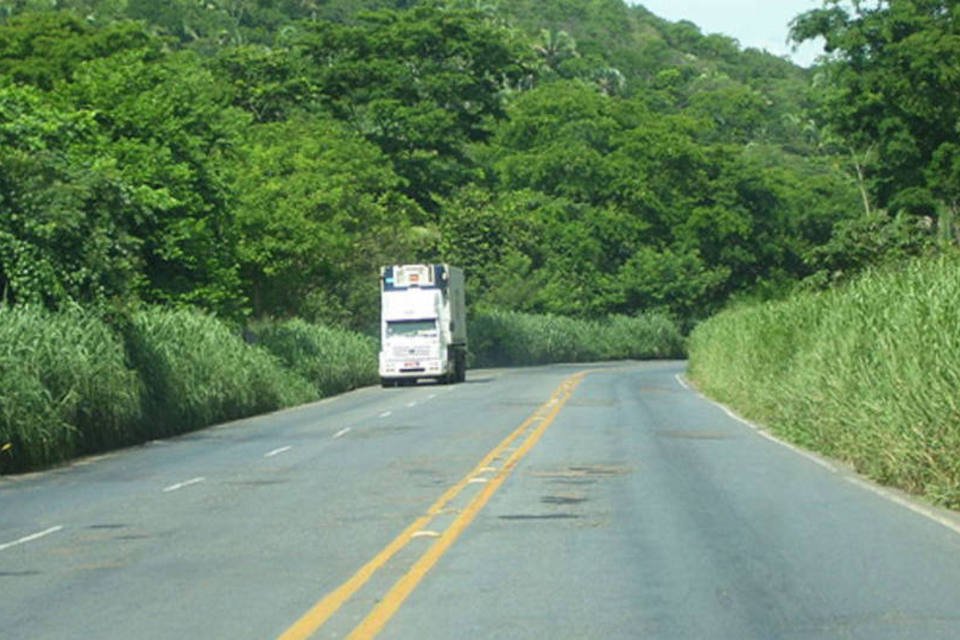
(64, 387)
(197, 371)
(867, 373)
(333, 360)
(505, 338)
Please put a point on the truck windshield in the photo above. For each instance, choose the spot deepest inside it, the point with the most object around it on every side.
(411, 328)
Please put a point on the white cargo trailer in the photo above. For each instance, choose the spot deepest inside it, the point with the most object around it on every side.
(423, 324)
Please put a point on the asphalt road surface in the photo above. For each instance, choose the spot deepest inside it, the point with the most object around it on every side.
(588, 501)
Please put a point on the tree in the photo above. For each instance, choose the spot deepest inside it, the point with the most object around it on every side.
(44, 49)
(172, 134)
(318, 210)
(61, 238)
(271, 84)
(422, 84)
(892, 86)
(555, 47)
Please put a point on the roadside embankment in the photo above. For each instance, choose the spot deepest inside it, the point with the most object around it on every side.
(72, 384)
(868, 373)
(510, 338)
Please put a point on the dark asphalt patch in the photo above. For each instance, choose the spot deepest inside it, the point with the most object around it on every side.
(541, 516)
(562, 499)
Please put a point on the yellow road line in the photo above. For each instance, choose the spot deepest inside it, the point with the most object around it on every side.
(318, 615)
(391, 602)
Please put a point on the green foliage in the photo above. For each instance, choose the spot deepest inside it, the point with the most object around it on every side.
(421, 84)
(271, 84)
(59, 237)
(65, 388)
(652, 279)
(266, 157)
(333, 360)
(581, 159)
(890, 85)
(198, 371)
(866, 373)
(44, 49)
(317, 211)
(865, 241)
(604, 205)
(509, 338)
(172, 136)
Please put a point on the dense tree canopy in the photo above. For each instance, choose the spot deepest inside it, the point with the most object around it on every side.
(891, 95)
(578, 157)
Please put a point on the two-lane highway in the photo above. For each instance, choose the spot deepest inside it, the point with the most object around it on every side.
(602, 501)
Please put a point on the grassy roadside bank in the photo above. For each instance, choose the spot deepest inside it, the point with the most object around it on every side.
(72, 384)
(509, 338)
(868, 373)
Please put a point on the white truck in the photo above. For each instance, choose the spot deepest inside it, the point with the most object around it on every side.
(423, 324)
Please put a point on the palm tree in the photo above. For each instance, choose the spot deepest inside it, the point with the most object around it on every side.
(554, 47)
(610, 80)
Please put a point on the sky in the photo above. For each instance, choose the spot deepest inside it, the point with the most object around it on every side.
(762, 24)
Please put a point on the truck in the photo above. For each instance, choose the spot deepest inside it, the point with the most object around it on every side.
(423, 324)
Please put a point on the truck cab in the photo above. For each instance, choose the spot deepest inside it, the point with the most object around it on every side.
(423, 330)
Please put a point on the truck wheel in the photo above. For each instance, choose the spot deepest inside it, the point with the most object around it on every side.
(386, 383)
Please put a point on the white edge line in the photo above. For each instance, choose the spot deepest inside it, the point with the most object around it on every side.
(681, 382)
(181, 485)
(31, 537)
(918, 508)
(385, 414)
(341, 433)
(276, 452)
(812, 457)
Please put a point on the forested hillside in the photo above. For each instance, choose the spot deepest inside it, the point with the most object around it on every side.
(263, 157)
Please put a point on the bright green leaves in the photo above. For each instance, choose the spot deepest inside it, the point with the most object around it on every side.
(43, 49)
(317, 212)
(664, 279)
(589, 158)
(58, 238)
(422, 84)
(625, 208)
(172, 134)
(112, 180)
(893, 87)
(271, 84)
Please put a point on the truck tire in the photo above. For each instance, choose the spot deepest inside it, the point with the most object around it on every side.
(460, 367)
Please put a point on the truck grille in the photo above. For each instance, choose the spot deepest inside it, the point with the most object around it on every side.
(412, 352)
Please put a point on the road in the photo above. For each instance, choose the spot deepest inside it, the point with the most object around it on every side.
(588, 501)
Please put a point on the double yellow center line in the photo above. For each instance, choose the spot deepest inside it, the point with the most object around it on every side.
(528, 433)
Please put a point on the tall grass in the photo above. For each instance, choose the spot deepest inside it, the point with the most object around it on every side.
(64, 387)
(333, 360)
(869, 373)
(197, 371)
(505, 338)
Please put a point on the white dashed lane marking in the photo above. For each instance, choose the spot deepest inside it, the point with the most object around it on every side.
(181, 485)
(30, 538)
